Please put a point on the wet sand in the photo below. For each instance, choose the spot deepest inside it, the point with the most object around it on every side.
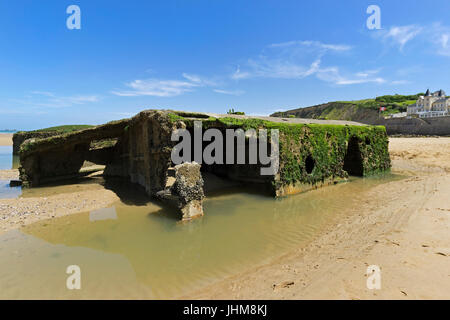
(403, 227)
(6, 139)
(16, 213)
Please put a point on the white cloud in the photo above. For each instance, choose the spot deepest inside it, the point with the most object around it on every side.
(230, 92)
(400, 35)
(47, 99)
(397, 82)
(301, 59)
(157, 88)
(164, 88)
(43, 93)
(287, 60)
(367, 73)
(435, 36)
(238, 74)
(315, 44)
(334, 76)
(440, 38)
(192, 77)
(277, 68)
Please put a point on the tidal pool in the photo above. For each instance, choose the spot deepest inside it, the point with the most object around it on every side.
(138, 249)
(7, 160)
(7, 192)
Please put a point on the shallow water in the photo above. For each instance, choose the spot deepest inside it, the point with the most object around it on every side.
(137, 249)
(7, 160)
(61, 187)
(7, 192)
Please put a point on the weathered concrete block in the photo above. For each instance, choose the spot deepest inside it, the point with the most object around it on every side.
(188, 187)
(311, 154)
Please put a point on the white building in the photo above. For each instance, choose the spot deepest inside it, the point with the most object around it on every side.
(435, 104)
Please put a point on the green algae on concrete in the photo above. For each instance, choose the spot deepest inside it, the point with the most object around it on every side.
(312, 153)
(328, 149)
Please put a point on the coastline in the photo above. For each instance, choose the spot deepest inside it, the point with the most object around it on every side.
(403, 226)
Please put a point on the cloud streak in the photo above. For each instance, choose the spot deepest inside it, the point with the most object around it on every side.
(163, 88)
(230, 92)
(302, 59)
(313, 44)
(288, 60)
(435, 36)
(401, 35)
(45, 99)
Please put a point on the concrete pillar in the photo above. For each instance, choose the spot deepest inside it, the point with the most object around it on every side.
(188, 187)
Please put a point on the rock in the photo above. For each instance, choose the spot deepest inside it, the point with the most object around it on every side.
(188, 187)
(15, 183)
(284, 284)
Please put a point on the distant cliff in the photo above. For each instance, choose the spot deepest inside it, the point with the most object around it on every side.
(333, 111)
(365, 111)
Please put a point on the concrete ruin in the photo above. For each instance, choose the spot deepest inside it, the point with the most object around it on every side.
(313, 153)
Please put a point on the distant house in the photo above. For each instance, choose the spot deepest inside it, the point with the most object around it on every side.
(435, 104)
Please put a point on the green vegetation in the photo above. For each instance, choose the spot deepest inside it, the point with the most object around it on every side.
(366, 110)
(21, 136)
(72, 133)
(66, 128)
(239, 113)
(325, 144)
(103, 143)
(310, 154)
(393, 103)
(175, 117)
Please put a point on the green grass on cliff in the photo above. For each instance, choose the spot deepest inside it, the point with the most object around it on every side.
(66, 128)
(392, 103)
(355, 110)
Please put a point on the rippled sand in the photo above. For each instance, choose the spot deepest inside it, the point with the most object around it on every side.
(402, 226)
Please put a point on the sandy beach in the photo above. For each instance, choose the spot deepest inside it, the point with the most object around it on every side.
(6, 139)
(403, 227)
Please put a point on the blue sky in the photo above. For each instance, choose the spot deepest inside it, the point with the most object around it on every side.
(211, 55)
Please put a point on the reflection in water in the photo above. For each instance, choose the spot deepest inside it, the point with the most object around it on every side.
(15, 162)
(147, 253)
(7, 192)
(7, 162)
(61, 187)
(103, 214)
(6, 158)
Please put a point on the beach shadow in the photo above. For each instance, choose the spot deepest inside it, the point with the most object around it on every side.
(128, 192)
